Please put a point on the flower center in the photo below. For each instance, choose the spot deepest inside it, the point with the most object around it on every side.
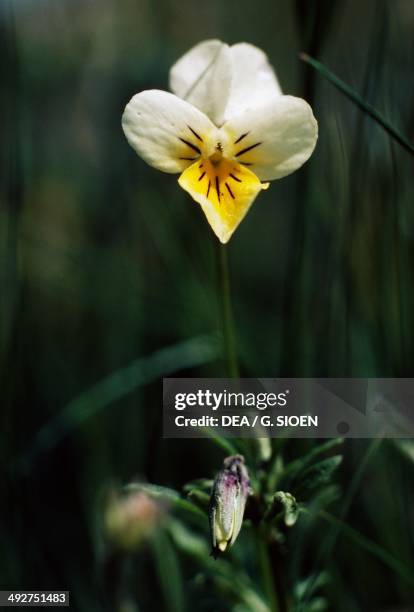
(217, 155)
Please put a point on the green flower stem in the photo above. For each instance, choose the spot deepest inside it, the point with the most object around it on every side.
(358, 101)
(226, 312)
(267, 574)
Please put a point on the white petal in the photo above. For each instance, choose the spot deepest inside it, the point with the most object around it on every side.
(193, 66)
(274, 139)
(253, 79)
(203, 77)
(159, 126)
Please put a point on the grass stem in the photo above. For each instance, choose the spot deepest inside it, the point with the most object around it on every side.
(267, 575)
(227, 312)
(352, 95)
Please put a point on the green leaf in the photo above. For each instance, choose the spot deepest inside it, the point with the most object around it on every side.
(396, 565)
(199, 483)
(170, 496)
(406, 447)
(352, 95)
(187, 541)
(329, 493)
(200, 496)
(169, 572)
(118, 384)
(199, 490)
(290, 507)
(308, 586)
(226, 576)
(295, 467)
(275, 472)
(223, 443)
(264, 447)
(325, 496)
(318, 604)
(320, 473)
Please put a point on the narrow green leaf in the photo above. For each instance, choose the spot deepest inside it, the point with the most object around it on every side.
(169, 495)
(295, 467)
(352, 95)
(200, 496)
(290, 507)
(264, 447)
(169, 572)
(222, 443)
(406, 447)
(319, 473)
(309, 586)
(329, 493)
(225, 574)
(275, 472)
(187, 541)
(199, 483)
(117, 385)
(375, 549)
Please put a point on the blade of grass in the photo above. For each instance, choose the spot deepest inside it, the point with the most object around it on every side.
(169, 572)
(225, 572)
(352, 95)
(118, 384)
(372, 547)
(267, 573)
(331, 538)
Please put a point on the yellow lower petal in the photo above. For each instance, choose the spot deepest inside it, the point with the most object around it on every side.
(225, 190)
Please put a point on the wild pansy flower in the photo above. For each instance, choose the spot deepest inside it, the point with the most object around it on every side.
(227, 129)
(231, 489)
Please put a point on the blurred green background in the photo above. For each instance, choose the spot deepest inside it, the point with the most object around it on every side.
(108, 279)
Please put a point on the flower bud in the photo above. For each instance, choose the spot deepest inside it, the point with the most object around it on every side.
(130, 518)
(231, 489)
